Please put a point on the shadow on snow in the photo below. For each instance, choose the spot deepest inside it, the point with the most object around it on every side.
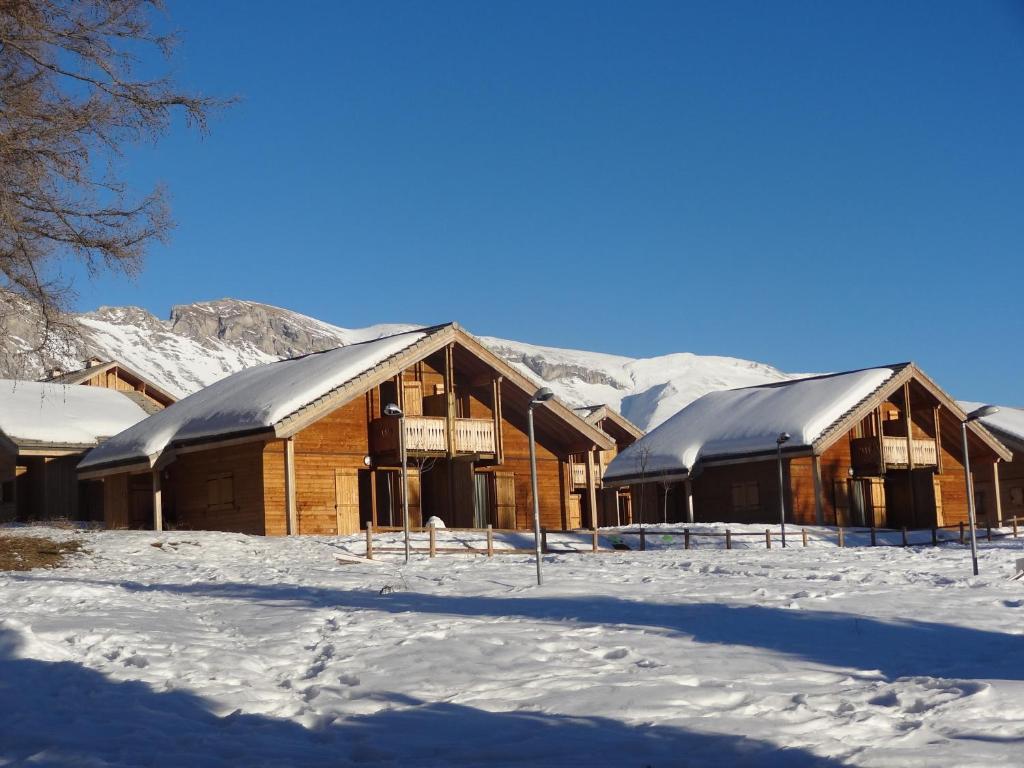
(65, 714)
(895, 648)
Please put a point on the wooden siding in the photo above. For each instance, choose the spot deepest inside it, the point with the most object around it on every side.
(188, 502)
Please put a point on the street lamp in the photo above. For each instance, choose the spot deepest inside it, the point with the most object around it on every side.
(540, 397)
(782, 438)
(985, 410)
(395, 412)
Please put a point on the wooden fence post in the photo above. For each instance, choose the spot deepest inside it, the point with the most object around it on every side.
(842, 538)
(593, 545)
(767, 538)
(935, 536)
(874, 541)
(728, 539)
(961, 531)
(544, 540)
(1015, 527)
(803, 535)
(490, 541)
(643, 540)
(433, 541)
(369, 541)
(904, 533)
(988, 531)
(686, 538)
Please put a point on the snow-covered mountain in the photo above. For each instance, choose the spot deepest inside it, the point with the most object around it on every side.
(203, 342)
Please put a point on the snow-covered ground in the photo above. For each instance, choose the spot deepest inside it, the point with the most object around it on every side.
(223, 649)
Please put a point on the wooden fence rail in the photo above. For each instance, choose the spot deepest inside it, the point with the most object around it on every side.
(688, 536)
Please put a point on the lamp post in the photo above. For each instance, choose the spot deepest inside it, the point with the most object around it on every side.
(782, 438)
(985, 410)
(540, 397)
(395, 412)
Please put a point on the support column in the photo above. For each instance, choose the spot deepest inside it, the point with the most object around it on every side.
(592, 488)
(499, 452)
(910, 453)
(449, 394)
(158, 502)
(289, 487)
(688, 487)
(819, 510)
(999, 500)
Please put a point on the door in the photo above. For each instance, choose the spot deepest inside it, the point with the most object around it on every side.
(841, 492)
(346, 505)
(481, 500)
(857, 505)
(412, 392)
(505, 500)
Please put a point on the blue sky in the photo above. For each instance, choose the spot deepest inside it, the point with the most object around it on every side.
(814, 185)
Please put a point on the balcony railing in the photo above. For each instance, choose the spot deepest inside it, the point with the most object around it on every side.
(579, 475)
(474, 436)
(429, 434)
(894, 452)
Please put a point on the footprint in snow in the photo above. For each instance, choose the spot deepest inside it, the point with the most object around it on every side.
(615, 654)
(350, 680)
(140, 662)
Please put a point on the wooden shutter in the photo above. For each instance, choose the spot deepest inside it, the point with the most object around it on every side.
(842, 501)
(939, 519)
(574, 513)
(505, 499)
(346, 490)
(878, 514)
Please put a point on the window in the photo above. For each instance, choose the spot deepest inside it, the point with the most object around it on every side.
(220, 491)
(745, 497)
(7, 492)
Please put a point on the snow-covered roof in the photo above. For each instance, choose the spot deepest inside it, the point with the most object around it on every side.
(741, 422)
(1007, 421)
(251, 400)
(38, 413)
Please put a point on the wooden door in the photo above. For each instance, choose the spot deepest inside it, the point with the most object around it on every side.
(415, 502)
(346, 491)
(841, 489)
(877, 497)
(505, 499)
(412, 392)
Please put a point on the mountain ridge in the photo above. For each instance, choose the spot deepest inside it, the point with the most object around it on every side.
(204, 341)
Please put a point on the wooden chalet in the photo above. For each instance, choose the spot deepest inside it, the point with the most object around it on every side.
(303, 445)
(613, 504)
(878, 446)
(111, 374)
(45, 429)
(999, 493)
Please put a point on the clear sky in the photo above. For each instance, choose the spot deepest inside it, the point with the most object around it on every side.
(816, 185)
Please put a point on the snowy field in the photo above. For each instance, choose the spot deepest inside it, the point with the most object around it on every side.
(220, 649)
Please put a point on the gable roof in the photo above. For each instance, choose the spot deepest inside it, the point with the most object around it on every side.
(1007, 423)
(595, 414)
(281, 398)
(86, 373)
(42, 417)
(735, 424)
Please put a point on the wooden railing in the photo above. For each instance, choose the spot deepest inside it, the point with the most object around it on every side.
(579, 474)
(430, 433)
(475, 436)
(894, 452)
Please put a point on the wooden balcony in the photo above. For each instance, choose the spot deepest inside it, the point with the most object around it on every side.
(893, 451)
(429, 434)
